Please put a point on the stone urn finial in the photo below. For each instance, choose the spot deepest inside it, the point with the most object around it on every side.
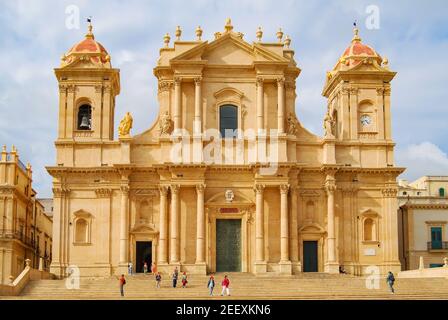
(198, 33)
(279, 34)
(166, 39)
(178, 33)
(445, 262)
(287, 42)
(259, 34)
(28, 263)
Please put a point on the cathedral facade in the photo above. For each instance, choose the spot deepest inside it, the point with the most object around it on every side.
(226, 179)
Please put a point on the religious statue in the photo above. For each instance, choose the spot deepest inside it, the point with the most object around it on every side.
(292, 124)
(328, 126)
(125, 125)
(165, 124)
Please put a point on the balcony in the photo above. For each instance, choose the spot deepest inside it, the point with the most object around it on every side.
(16, 235)
(437, 245)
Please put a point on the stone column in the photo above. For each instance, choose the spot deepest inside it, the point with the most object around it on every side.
(177, 103)
(390, 221)
(56, 267)
(354, 113)
(330, 187)
(285, 263)
(380, 107)
(124, 236)
(174, 225)
(387, 115)
(197, 125)
(260, 263)
(163, 239)
(260, 104)
(294, 243)
(281, 104)
(200, 226)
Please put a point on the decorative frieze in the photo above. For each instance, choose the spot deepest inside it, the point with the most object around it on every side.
(389, 192)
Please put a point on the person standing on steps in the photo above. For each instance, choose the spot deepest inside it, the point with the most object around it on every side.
(225, 286)
(153, 268)
(145, 268)
(184, 280)
(390, 281)
(211, 284)
(174, 277)
(158, 279)
(130, 267)
(122, 282)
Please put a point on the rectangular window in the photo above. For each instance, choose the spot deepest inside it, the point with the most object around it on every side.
(436, 237)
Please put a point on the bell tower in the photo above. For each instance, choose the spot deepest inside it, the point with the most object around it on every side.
(358, 110)
(88, 86)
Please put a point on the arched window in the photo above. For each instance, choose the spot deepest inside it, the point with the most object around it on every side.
(369, 229)
(81, 230)
(228, 120)
(441, 192)
(85, 117)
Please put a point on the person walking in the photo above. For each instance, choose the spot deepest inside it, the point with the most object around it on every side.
(390, 281)
(145, 268)
(122, 282)
(225, 286)
(211, 284)
(153, 268)
(174, 277)
(158, 279)
(184, 280)
(130, 268)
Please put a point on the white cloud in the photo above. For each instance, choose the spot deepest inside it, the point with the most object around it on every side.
(422, 159)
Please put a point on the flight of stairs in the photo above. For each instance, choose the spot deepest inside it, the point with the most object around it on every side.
(242, 286)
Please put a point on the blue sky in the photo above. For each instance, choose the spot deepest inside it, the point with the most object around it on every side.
(412, 34)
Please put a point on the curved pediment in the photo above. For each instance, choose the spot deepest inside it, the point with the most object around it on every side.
(144, 228)
(312, 228)
(238, 199)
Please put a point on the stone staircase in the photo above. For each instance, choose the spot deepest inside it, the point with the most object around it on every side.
(243, 286)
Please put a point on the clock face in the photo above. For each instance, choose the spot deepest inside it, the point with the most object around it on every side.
(366, 120)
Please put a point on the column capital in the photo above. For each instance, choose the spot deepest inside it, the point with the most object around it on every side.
(259, 81)
(280, 81)
(284, 188)
(175, 188)
(124, 189)
(103, 192)
(200, 187)
(380, 91)
(163, 189)
(353, 90)
(330, 187)
(387, 91)
(177, 80)
(389, 192)
(197, 81)
(259, 188)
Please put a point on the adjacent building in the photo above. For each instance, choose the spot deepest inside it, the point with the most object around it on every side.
(25, 230)
(227, 178)
(423, 219)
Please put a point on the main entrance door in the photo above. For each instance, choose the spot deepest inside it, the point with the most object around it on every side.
(310, 256)
(228, 245)
(143, 254)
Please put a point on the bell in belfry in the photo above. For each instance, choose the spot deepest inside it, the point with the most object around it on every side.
(84, 123)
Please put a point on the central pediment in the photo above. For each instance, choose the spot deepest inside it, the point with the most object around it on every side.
(229, 49)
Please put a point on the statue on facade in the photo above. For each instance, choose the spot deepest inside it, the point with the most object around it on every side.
(165, 124)
(292, 124)
(328, 126)
(229, 195)
(125, 125)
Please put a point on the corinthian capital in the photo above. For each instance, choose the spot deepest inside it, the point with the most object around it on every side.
(284, 188)
(175, 188)
(163, 189)
(200, 188)
(259, 188)
(198, 81)
(260, 81)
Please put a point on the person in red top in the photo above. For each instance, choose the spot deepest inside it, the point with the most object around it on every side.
(122, 281)
(225, 286)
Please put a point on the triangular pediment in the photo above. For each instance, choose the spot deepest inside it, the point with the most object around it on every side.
(229, 49)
